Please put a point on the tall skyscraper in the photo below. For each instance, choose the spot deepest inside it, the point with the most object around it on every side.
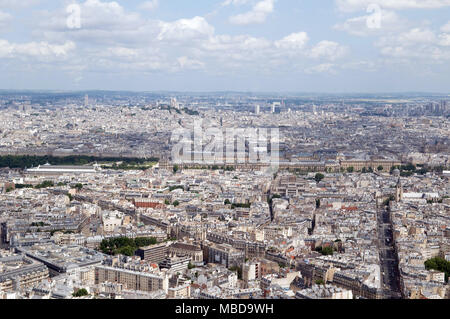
(86, 100)
(257, 109)
(275, 105)
(444, 106)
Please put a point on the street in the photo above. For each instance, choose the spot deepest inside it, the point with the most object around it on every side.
(388, 259)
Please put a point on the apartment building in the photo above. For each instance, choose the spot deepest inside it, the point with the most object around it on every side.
(153, 254)
(132, 280)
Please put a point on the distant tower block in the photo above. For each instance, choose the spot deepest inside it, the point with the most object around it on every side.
(174, 104)
(275, 105)
(86, 100)
(257, 109)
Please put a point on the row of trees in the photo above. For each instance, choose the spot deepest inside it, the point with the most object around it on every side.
(364, 170)
(23, 161)
(405, 170)
(170, 109)
(44, 184)
(38, 224)
(237, 205)
(370, 169)
(319, 176)
(172, 188)
(410, 169)
(325, 250)
(176, 168)
(175, 203)
(130, 165)
(191, 112)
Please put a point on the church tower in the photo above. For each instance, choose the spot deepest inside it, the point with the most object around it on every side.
(399, 191)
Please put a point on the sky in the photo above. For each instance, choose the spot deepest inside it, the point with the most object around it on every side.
(333, 46)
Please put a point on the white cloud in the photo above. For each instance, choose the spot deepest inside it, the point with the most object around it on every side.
(294, 41)
(234, 2)
(5, 19)
(368, 66)
(103, 15)
(102, 23)
(321, 68)
(243, 46)
(44, 49)
(328, 50)
(17, 4)
(95, 15)
(355, 5)
(389, 22)
(185, 29)
(416, 44)
(234, 53)
(122, 52)
(186, 63)
(446, 28)
(413, 37)
(444, 39)
(114, 59)
(149, 5)
(35, 49)
(258, 14)
(113, 39)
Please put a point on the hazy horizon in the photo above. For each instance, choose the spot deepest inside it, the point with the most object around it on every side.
(409, 93)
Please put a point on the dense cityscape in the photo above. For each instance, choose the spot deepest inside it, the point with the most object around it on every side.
(95, 203)
(224, 158)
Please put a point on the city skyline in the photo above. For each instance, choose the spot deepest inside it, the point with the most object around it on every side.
(224, 196)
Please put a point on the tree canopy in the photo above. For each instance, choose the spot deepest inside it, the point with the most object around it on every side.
(439, 264)
(23, 161)
(124, 245)
(80, 293)
(319, 177)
